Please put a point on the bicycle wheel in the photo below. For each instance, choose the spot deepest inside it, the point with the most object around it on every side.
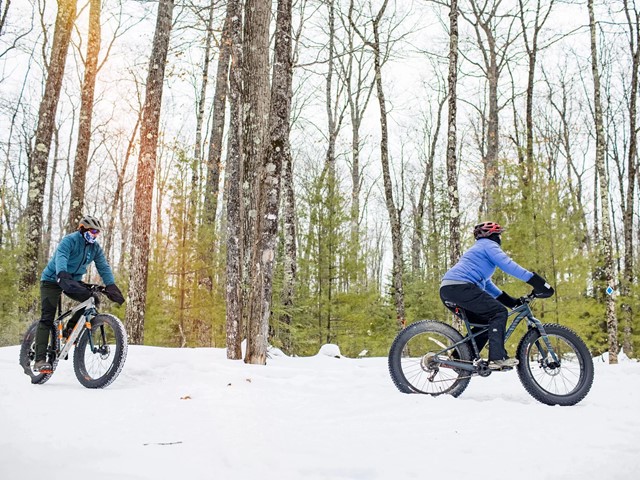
(28, 354)
(414, 354)
(564, 382)
(99, 366)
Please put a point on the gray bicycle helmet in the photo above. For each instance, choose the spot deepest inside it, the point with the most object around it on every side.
(90, 222)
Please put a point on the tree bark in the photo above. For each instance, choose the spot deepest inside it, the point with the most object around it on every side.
(394, 214)
(633, 21)
(256, 103)
(278, 153)
(145, 176)
(39, 157)
(76, 208)
(214, 158)
(452, 161)
(234, 175)
(605, 237)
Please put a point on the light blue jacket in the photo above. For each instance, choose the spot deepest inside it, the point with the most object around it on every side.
(478, 263)
(73, 255)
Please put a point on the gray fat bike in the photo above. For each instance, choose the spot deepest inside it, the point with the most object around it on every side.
(100, 344)
(433, 358)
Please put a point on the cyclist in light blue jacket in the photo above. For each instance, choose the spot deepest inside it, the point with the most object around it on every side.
(63, 274)
(468, 284)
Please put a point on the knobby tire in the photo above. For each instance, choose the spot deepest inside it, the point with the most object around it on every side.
(565, 384)
(27, 355)
(99, 369)
(412, 372)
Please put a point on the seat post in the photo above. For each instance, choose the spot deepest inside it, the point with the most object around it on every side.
(460, 312)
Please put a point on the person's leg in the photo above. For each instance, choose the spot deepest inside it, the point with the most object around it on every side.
(78, 297)
(453, 294)
(49, 297)
(480, 305)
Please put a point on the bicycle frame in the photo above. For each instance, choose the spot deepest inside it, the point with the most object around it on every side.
(521, 312)
(90, 311)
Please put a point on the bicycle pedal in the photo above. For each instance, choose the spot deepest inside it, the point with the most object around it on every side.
(503, 369)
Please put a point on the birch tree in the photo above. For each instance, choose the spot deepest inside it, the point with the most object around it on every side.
(605, 237)
(452, 162)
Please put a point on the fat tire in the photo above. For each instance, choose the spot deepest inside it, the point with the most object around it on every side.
(27, 352)
(422, 327)
(537, 391)
(119, 352)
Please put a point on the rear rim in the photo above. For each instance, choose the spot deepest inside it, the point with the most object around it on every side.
(561, 378)
(421, 367)
(28, 355)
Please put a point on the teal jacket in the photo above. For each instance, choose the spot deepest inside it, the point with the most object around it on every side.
(74, 255)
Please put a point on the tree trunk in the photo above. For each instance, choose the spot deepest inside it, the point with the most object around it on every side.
(217, 127)
(118, 194)
(394, 214)
(628, 277)
(290, 261)
(39, 157)
(278, 153)
(76, 208)
(233, 181)
(256, 102)
(145, 176)
(452, 162)
(605, 237)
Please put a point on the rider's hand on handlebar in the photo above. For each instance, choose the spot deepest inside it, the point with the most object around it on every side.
(114, 294)
(541, 287)
(508, 301)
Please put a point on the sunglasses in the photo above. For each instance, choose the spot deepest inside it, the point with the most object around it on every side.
(94, 231)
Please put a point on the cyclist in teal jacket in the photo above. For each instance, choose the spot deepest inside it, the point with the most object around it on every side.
(64, 273)
(468, 284)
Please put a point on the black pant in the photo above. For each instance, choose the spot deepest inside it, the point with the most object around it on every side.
(49, 298)
(480, 307)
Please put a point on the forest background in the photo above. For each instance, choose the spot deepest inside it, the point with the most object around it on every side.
(300, 173)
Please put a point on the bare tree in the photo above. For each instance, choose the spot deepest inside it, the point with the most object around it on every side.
(76, 208)
(531, 45)
(605, 239)
(217, 125)
(233, 188)
(278, 153)
(46, 121)
(397, 271)
(146, 174)
(633, 23)
(452, 161)
(486, 19)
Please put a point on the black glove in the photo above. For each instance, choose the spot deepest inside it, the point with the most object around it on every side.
(508, 301)
(114, 294)
(72, 287)
(541, 287)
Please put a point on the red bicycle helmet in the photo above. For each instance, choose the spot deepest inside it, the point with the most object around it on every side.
(485, 229)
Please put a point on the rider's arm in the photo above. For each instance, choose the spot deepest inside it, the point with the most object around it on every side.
(506, 264)
(491, 289)
(63, 252)
(103, 266)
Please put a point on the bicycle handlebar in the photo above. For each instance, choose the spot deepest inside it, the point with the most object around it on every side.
(530, 297)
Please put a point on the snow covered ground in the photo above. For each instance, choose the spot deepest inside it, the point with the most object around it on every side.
(191, 414)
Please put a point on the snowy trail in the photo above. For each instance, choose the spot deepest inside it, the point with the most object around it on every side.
(306, 418)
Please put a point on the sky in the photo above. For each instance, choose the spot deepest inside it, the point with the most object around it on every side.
(193, 414)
